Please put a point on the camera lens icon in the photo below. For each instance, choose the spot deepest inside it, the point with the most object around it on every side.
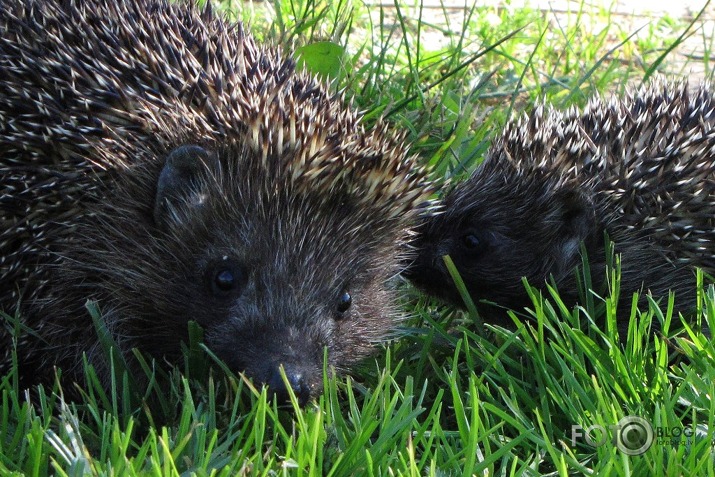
(634, 435)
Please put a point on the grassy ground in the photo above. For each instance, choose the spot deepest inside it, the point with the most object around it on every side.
(450, 397)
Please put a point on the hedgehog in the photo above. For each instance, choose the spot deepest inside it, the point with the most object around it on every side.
(157, 161)
(637, 172)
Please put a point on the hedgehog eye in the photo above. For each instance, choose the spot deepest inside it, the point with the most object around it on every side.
(225, 278)
(344, 303)
(473, 243)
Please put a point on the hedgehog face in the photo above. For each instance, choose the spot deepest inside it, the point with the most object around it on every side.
(277, 278)
(501, 225)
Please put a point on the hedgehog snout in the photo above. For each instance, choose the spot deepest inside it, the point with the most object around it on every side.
(441, 250)
(271, 352)
(297, 376)
(431, 251)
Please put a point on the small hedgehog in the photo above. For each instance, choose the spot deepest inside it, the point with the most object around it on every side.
(640, 169)
(154, 159)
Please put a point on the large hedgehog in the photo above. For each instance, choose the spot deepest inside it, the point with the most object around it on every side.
(641, 169)
(155, 159)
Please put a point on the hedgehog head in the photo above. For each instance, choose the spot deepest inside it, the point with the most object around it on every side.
(275, 272)
(519, 215)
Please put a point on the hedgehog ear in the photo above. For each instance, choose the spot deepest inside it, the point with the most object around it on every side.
(178, 181)
(576, 219)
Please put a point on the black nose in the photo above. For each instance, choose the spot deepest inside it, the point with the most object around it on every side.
(297, 380)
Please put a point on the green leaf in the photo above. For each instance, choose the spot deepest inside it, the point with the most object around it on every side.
(323, 58)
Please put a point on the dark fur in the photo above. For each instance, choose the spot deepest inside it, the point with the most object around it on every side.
(147, 148)
(641, 168)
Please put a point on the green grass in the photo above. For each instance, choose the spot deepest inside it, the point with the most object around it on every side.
(452, 396)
